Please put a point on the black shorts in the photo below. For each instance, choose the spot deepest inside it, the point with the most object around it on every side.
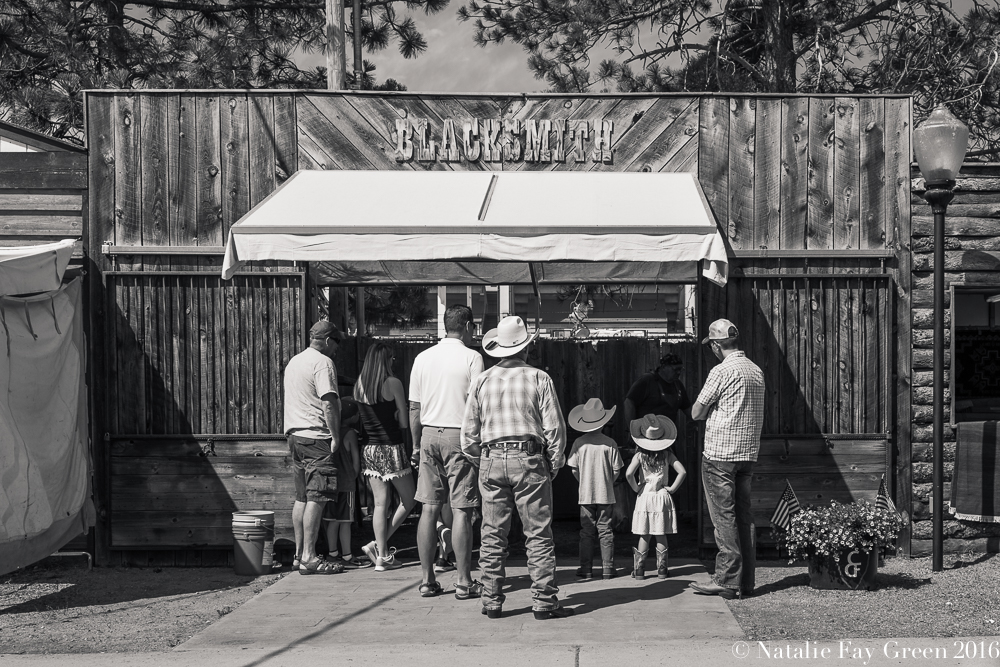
(313, 469)
(340, 510)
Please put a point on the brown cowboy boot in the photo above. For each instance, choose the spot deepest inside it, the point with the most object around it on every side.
(661, 563)
(639, 564)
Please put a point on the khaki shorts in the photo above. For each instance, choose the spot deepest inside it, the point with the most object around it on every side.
(446, 475)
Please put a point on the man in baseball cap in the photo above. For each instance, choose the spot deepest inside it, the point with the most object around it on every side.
(732, 403)
(312, 426)
(720, 330)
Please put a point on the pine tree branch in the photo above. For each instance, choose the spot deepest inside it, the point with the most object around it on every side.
(742, 62)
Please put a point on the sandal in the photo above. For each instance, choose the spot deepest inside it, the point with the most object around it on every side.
(473, 590)
(320, 566)
(430, 590)
(296, 560)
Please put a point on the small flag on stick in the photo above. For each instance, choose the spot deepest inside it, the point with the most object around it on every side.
(787, 506)
(883, 500)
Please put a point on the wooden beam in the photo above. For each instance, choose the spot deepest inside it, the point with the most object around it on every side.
(109, 249)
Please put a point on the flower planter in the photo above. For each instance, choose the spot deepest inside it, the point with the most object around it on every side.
(850, 570)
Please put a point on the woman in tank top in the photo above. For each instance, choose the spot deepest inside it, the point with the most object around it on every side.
(382, 404)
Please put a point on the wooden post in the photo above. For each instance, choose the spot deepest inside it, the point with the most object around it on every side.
(336, 45)
(506, 302)
(359, 310)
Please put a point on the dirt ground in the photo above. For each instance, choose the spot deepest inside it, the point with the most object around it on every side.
(63, 608)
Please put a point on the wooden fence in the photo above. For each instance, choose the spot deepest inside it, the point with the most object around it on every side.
(42, 198)
(820, 178)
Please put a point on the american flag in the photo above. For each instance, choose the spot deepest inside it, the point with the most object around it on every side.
(883, 500)
(787, 506)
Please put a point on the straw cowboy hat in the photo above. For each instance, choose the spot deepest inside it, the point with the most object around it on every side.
(590, 416)
(653, 432)
(510, 337)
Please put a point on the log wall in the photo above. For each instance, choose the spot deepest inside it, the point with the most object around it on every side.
(972, 257)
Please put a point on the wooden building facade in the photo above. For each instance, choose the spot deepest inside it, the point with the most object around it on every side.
(812, 194)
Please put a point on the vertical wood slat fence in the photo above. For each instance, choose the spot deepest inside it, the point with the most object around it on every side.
(825, 346)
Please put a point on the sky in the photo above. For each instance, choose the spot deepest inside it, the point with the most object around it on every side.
(452, 63)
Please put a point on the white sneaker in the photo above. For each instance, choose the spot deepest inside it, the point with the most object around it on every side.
(388, 563)
(371, 550)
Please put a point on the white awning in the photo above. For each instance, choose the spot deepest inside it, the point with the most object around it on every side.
(515, 217)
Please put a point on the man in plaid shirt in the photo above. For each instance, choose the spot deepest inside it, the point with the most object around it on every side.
(732, 402)
(514, 432)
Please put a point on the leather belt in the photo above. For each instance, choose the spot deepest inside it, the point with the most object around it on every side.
(528, 446)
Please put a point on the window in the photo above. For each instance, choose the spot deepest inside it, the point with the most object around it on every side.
(975, 353)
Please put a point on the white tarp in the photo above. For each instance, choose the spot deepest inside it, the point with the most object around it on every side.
(387, 216)
(44, 458)
(37, 268)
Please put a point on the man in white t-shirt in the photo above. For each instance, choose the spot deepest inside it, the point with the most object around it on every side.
(439, 385)
(312, 426)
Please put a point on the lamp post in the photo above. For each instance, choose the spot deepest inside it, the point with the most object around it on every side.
(939, 143)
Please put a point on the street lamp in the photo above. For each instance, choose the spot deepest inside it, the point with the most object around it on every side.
(939, 143)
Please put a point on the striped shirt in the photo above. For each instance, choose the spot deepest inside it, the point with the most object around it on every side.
(514, 401)
(734, 394)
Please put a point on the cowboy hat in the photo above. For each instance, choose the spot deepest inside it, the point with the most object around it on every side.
(653, 432)
(510, 337)
(590, 416)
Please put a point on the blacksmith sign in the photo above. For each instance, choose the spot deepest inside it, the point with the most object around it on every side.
(500, 140)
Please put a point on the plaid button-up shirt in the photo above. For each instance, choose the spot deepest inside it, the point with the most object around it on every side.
(514, 401)
(734, 393)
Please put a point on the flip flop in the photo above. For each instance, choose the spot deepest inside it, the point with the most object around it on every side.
(320, 566)
(430, 590)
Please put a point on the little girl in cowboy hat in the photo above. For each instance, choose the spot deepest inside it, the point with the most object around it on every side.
(595, 462)
(654, 517)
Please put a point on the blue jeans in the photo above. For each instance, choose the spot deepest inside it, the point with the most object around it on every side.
(727, 491)
(509, 479)
(595, 520)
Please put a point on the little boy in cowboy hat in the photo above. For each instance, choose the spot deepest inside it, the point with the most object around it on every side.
(595, 462)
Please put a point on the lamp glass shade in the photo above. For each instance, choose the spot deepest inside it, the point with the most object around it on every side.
(940, 143)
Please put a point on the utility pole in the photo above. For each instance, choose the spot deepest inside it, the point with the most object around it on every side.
(336, 45)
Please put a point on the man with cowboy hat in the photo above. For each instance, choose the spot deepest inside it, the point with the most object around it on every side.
(595, 461)
(732, 403)
(514, 431)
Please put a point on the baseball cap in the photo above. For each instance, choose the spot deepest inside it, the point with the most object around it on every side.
(325, 329)
(721, 330)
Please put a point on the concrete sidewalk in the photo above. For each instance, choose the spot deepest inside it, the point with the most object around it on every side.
(369, 619)
(365, 607)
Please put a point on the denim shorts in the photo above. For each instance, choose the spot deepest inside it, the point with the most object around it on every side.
(446, 475)
(313, 469)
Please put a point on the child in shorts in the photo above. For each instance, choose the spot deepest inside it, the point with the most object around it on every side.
(339, 513)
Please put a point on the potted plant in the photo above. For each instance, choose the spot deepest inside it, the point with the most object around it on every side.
(841, 542)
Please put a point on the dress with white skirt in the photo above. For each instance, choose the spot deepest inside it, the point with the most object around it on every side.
(654, 507)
